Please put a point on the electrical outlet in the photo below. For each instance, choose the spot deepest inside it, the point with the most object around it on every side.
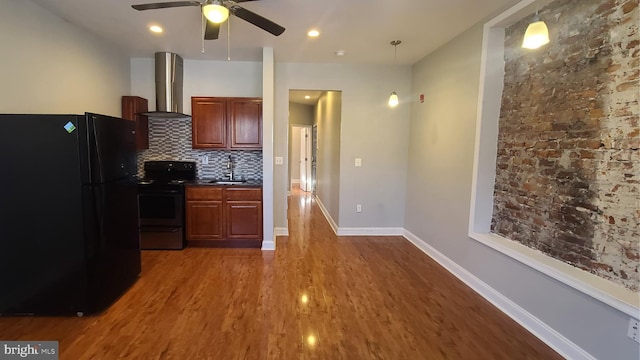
(358, 162)
(204, 159)
(633, 331)
(358, 208)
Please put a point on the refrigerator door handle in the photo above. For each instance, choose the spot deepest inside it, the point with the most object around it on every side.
(96, 147)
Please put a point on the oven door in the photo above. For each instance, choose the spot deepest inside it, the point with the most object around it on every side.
(161, 208)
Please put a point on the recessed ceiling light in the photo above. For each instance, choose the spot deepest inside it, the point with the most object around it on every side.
(155, 28)
(339, 52)
(313, 33)
(307, 97)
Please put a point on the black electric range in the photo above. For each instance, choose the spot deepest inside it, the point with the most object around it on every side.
(161, 203)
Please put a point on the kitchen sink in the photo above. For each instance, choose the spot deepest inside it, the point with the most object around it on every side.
(227, 182)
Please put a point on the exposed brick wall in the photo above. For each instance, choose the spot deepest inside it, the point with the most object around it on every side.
(568, 164)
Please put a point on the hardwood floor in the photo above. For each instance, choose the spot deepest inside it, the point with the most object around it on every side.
(317, 297)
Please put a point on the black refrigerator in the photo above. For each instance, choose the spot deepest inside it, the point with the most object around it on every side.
(69, 241)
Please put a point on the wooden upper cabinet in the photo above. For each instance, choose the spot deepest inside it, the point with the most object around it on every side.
(132, 109)
(226, 123)
(245, 120)
(209, 122)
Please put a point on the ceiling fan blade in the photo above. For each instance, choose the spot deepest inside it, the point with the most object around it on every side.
(211, 31)
(165, 5)
(257, 20)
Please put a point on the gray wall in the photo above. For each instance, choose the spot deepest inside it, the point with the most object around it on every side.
(51, 66)
(441, 149)
(369, 130)
(201, 78)
(328, 119)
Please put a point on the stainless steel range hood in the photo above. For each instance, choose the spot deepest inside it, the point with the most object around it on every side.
(169, 77)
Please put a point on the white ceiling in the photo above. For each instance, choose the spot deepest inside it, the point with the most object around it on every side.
(305, 97)
(362, 28)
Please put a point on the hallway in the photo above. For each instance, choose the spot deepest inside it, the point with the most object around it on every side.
(382, 298)
(318, 296)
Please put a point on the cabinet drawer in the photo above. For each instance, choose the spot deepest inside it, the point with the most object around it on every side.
(204, 193)
(233, 193)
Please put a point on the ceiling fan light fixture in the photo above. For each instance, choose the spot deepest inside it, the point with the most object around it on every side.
(215, 12)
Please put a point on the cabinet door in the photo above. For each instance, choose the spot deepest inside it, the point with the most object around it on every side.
(204, 220)
(132, 107)
(244, 220)
(245, 120)
(209, 124)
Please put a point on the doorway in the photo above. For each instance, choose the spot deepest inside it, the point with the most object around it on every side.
(302, 119)
(319, 112)
(302, 157)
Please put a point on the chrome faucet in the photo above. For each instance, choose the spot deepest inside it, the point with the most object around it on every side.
(230, 168)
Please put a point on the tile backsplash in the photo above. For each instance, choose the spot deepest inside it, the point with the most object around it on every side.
(170, 139)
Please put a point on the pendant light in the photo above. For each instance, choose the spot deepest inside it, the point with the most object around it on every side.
(215, 12)
(393, 98)
(536, 35)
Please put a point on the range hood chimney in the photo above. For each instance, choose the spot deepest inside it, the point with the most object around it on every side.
(169, 70)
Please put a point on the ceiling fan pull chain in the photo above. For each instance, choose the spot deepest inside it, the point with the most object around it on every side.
(202, 25)
(229, 39)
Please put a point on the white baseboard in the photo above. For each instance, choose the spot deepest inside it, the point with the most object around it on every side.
(295, 181)
(268, 245)
(555, 340)
(327, 216)
(372, 231)
(280, 231)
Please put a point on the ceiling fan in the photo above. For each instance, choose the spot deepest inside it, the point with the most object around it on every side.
(217, 11)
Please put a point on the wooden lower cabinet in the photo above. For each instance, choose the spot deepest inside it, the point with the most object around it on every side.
(204, 220)
(244, 219)
(223, 215)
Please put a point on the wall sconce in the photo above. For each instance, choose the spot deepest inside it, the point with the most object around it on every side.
(393, 98)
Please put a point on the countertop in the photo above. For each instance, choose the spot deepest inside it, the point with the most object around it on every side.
(207, 182)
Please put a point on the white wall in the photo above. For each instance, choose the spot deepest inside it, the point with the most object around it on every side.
(441, 146)
(51, 66)
(201, 78)
(268, 114)
(370, 130)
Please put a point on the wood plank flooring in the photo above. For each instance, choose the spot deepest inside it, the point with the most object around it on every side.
(317, 297)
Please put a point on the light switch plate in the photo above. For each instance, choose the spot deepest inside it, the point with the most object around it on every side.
(279, 160)
(358, 161)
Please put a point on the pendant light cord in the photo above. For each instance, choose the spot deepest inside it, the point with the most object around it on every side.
(202, 25)
(395, 44)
